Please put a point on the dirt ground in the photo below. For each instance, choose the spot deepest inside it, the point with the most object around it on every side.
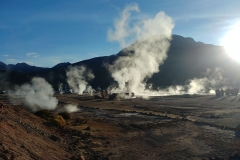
(168, 127)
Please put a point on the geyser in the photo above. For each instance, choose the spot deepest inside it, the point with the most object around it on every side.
(78, 77)
(144, 56)
(37, 95)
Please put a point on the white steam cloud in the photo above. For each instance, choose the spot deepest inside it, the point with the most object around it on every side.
(37, 95)
(145, 55)
(77, 78)
(212, 80)
(60, 88)
(71, 108)
(122, 28)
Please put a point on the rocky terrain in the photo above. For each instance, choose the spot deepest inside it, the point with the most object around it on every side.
(170, 127)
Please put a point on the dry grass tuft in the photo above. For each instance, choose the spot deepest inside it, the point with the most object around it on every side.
(59, 121)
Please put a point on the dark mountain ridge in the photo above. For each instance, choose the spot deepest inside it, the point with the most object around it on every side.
(64, 64)
(186, 59)
(21, 67)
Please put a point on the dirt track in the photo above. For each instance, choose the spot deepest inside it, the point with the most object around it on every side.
(172, 127)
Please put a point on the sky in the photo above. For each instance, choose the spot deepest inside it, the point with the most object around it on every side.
(47, 32)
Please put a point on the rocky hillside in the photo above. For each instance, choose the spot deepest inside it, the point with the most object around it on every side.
(23, 135)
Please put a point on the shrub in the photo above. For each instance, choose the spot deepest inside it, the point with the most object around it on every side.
(59, 121)
(45, 114)
(65, 115)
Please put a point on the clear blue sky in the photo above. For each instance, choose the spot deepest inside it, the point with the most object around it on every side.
(46, 32)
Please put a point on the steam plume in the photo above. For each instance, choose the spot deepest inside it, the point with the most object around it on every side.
(71, 108)
(77, 78)
(212, 80)
(37, 95)
(144, 56)
(60, 88)
(122, 29)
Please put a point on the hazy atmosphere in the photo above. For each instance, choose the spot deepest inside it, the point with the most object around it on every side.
(45, 33)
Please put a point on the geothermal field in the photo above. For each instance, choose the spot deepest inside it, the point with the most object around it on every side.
(120, 106)
(160, 127)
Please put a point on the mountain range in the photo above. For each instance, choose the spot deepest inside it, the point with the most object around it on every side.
(187, 59)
